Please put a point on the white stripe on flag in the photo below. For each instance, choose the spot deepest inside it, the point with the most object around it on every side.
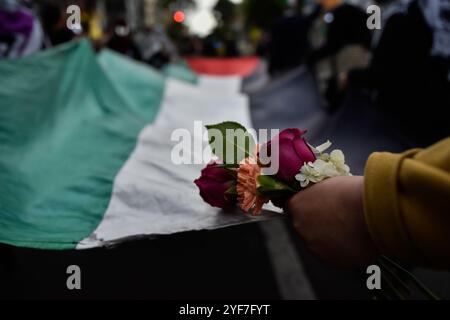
(221, 85)
(153, 196)
(185, 103)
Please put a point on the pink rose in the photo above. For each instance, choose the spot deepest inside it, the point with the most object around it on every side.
(294, 152)
(213, 183)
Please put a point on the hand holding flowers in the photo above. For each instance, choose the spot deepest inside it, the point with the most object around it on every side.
(328, 214)
(242, 180)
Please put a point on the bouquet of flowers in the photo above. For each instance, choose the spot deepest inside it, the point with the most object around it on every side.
(251, 175)
(254, 175)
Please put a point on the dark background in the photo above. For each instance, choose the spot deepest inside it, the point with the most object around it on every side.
(230, 263)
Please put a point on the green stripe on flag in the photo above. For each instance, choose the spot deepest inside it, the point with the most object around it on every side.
(180, 71)
(138, 83)
(66, 129)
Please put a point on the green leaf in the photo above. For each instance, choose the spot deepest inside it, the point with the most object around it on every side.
(231, 142)
(271, 187)
(232, 190)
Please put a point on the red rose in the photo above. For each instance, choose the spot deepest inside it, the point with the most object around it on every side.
(294, 152)
(214, 183)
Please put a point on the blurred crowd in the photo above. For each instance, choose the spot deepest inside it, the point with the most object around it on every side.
(404, 65)
(29, 26)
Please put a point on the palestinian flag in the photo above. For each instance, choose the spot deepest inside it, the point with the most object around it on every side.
(85, 148)
(85, 141)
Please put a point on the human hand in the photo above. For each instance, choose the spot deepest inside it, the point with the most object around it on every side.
(329, 216)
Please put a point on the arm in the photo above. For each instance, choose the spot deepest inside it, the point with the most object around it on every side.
(400, 208)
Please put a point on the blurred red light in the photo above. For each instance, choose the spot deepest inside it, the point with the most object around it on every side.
(178, 16)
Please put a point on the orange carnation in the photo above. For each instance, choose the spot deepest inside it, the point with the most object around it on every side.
(247, 184)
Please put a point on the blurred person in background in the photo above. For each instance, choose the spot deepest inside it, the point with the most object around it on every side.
(155, 47)
(21, 33)
(388, 8)
(288, 43)
(212, 46)
(409, 74)
(346, 46)
(121, 40)
(410, 71)
(231, 46)
(53, 17)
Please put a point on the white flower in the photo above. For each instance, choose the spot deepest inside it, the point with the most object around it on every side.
(320, 149)
(324, 167)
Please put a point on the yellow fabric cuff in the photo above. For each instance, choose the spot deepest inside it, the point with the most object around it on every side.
(381, 207)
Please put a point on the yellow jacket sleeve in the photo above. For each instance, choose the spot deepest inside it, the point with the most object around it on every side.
(407, 204)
